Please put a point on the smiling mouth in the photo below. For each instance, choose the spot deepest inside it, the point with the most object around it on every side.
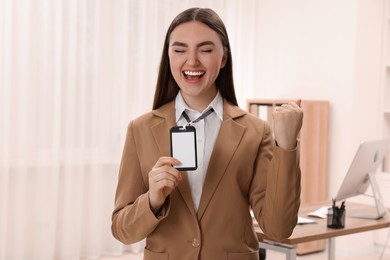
(193, 75)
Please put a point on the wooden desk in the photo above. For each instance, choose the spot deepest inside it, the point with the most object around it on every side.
(319, 230)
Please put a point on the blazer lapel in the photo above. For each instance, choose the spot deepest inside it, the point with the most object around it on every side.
(222, 153)
(168, 113)
(158, 131)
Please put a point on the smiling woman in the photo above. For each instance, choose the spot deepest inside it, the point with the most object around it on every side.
(239, 164)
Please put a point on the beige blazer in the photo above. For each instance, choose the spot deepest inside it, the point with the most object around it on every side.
(246, 170)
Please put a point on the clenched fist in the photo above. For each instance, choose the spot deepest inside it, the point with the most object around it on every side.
(287, 121)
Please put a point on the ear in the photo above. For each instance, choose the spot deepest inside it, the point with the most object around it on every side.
(224, 60)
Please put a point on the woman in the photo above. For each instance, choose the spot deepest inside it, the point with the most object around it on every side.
(205, 214)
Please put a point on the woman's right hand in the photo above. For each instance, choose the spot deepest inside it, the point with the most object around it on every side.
(163, 179)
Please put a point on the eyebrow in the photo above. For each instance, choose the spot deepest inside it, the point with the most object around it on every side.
(181, 44)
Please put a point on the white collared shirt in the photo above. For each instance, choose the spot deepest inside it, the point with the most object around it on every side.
(206, 134)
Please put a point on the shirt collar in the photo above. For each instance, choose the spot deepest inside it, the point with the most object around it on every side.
(181, 106)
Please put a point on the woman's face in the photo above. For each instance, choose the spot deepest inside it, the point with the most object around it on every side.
(196, 56)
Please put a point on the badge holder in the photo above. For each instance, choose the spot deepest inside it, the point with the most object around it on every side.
(183, 147)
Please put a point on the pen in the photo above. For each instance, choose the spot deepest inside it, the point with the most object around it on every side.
(342, 205)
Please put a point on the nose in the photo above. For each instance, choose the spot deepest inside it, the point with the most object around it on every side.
(193, 59)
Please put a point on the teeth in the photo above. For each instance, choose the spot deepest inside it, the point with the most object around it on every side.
(193, 73)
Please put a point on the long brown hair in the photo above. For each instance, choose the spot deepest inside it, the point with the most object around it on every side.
(167, 88)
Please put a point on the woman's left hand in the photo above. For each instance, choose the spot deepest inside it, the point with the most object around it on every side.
(287, 122)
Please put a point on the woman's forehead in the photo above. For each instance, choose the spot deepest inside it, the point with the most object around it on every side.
(194, 31)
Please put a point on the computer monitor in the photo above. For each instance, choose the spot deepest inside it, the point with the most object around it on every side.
(361, 174)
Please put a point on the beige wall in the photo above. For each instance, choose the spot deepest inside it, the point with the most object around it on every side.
(326, 50)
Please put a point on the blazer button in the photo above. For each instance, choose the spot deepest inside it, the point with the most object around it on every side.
(195, 242)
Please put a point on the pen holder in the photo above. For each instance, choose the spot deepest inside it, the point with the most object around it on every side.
(336, 217)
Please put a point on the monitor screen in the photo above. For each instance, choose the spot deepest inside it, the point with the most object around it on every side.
(367, 159)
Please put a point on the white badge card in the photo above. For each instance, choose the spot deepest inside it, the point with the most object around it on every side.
(183, 147)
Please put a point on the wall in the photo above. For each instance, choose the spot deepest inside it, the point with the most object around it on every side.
(326, 50)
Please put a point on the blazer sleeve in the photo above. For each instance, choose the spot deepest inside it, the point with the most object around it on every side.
(132, 218)
(276, 188)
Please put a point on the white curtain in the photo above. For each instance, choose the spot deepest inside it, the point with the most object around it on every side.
(73, 73)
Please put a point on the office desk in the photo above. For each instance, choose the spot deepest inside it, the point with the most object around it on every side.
(319, 230)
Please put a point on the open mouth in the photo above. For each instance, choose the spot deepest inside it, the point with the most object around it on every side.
(193, 75)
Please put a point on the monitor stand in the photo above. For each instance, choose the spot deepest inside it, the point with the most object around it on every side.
(380, 209)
